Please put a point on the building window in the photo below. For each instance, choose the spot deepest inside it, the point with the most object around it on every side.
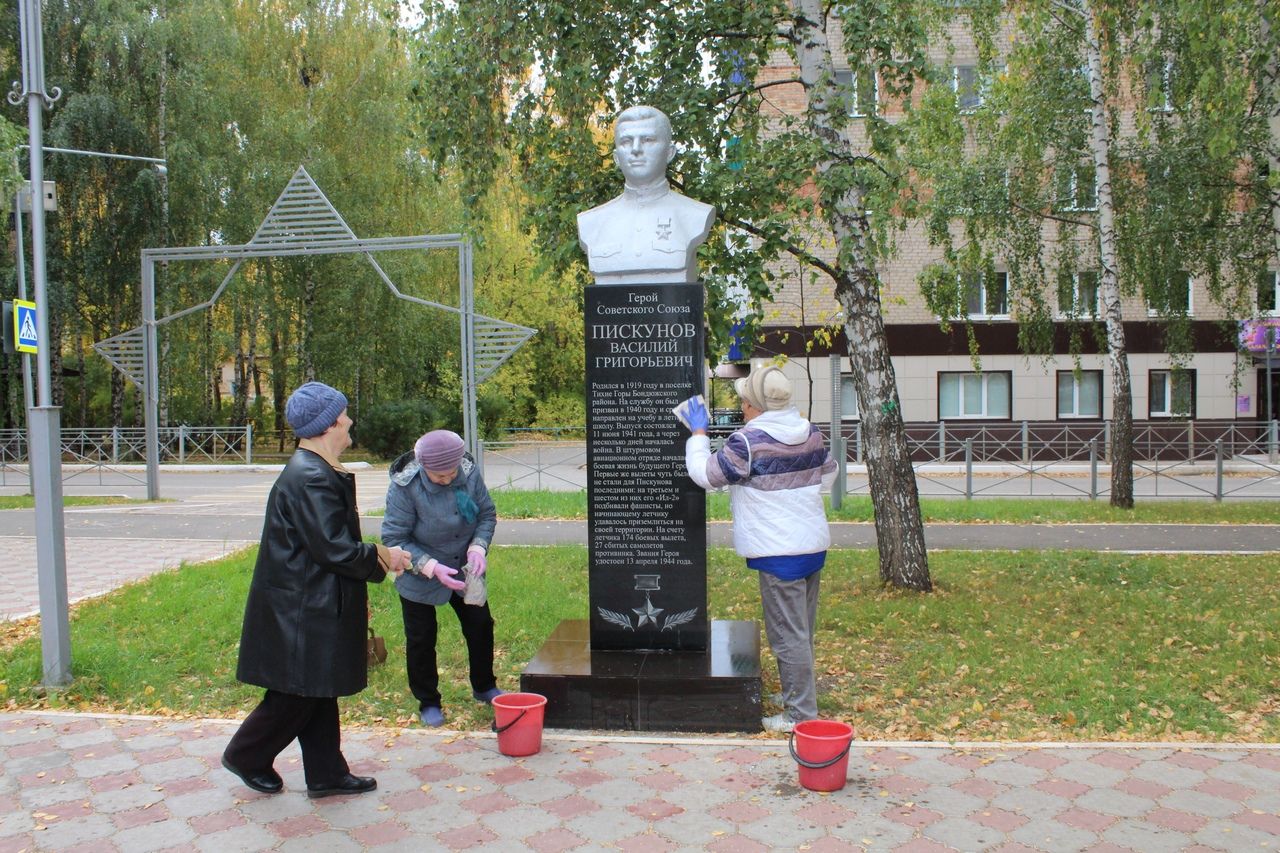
(1079, 86)
(1078, 294)
(1269, 293)
(1077, 187)
(964, 82)
(848, 398)
(985, 295)
(1160, 87)
(974, 395)
(863, 92)
(1174, 298)
(1080, 394)
(1172, 394)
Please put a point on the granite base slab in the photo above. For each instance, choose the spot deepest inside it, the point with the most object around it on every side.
(717, 690)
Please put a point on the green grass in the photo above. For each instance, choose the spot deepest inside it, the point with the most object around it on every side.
(28, 501)
(1011, 645)
(573, 505)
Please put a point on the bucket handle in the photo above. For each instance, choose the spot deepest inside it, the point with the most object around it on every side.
(519, 717)
(816, 765)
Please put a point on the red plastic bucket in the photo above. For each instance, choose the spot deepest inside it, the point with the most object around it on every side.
(821, 748)
(517, 718)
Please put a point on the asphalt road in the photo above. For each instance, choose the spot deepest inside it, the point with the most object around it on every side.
(227, 505)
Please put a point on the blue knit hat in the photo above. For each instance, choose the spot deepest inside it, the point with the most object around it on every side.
(313, 408)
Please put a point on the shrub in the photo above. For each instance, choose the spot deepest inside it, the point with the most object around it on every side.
(492, 408)
(389, 429)
(566, 413)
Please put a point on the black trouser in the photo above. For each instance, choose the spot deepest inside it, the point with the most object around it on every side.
(420, 629)
(277, 721)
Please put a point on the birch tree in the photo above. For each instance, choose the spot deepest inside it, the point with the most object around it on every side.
(544, 78)
(1063, 191)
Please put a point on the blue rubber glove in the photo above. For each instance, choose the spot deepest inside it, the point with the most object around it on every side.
(697, 415)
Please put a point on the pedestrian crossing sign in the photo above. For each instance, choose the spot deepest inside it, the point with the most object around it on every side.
(25, 338)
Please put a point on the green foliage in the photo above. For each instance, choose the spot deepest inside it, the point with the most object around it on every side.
(389, 429)
(1014, 178)
(493, 408)
(757, 167)
(236, 96)
(559, 411)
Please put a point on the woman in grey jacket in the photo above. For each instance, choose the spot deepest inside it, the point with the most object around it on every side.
(439, 510)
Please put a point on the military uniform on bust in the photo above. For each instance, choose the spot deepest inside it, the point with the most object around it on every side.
(650, 234)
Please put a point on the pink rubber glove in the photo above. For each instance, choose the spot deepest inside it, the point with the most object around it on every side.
(448, 577)
(477, 562)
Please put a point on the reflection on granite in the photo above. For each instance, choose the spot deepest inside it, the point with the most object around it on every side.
(713, 691)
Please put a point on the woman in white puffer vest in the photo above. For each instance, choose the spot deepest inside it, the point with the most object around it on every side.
(775, 468)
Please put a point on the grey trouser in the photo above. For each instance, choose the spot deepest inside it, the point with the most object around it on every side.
(790, 620)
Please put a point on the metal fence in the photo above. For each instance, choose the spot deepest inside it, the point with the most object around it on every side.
(1062, 441)
(90, 450)
(551, 465)
(1182, 459)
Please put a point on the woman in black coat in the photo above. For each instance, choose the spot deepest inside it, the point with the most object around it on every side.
(306, 617)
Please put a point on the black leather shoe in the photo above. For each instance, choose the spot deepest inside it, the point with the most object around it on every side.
(346, 785)
(263, 781)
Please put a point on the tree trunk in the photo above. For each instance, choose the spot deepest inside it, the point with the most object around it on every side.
(279, 344)
(305, 356)
(212, 402)
(57, 382)
(240, 398)
(6, 391)
(83, 395)
(1109, 284)
(163, 376)
(117, 398)
(252, 354)
(899, 526)
(1270, 86)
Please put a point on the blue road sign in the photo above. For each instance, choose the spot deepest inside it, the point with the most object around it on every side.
(24, 326)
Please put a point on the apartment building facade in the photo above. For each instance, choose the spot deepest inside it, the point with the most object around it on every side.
(1220, 380)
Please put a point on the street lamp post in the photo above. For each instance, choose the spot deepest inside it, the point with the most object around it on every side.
(44, 434)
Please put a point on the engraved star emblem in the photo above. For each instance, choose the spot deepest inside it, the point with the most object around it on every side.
(648, 615)
(664, 229)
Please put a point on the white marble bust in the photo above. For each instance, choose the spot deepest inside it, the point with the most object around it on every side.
(650, 234)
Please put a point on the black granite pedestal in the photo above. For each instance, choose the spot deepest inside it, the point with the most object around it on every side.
(648, 657)
(716, 690)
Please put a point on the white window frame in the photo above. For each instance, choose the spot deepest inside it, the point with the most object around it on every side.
(1165, 104)
(986, 408)
(983, 313)
(1082, 72)
(849, 77)
(977, 94)
(1165, 380)
(846, 381)
(1156, 311)
(1071, 178)
(1274, 310)
(1075, 414)
(1074, 309)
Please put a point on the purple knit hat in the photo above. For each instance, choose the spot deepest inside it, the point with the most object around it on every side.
(439, 450)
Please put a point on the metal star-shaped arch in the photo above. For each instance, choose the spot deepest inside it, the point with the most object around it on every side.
(648, 615)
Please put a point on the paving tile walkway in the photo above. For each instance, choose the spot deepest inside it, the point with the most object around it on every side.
(136, 784)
